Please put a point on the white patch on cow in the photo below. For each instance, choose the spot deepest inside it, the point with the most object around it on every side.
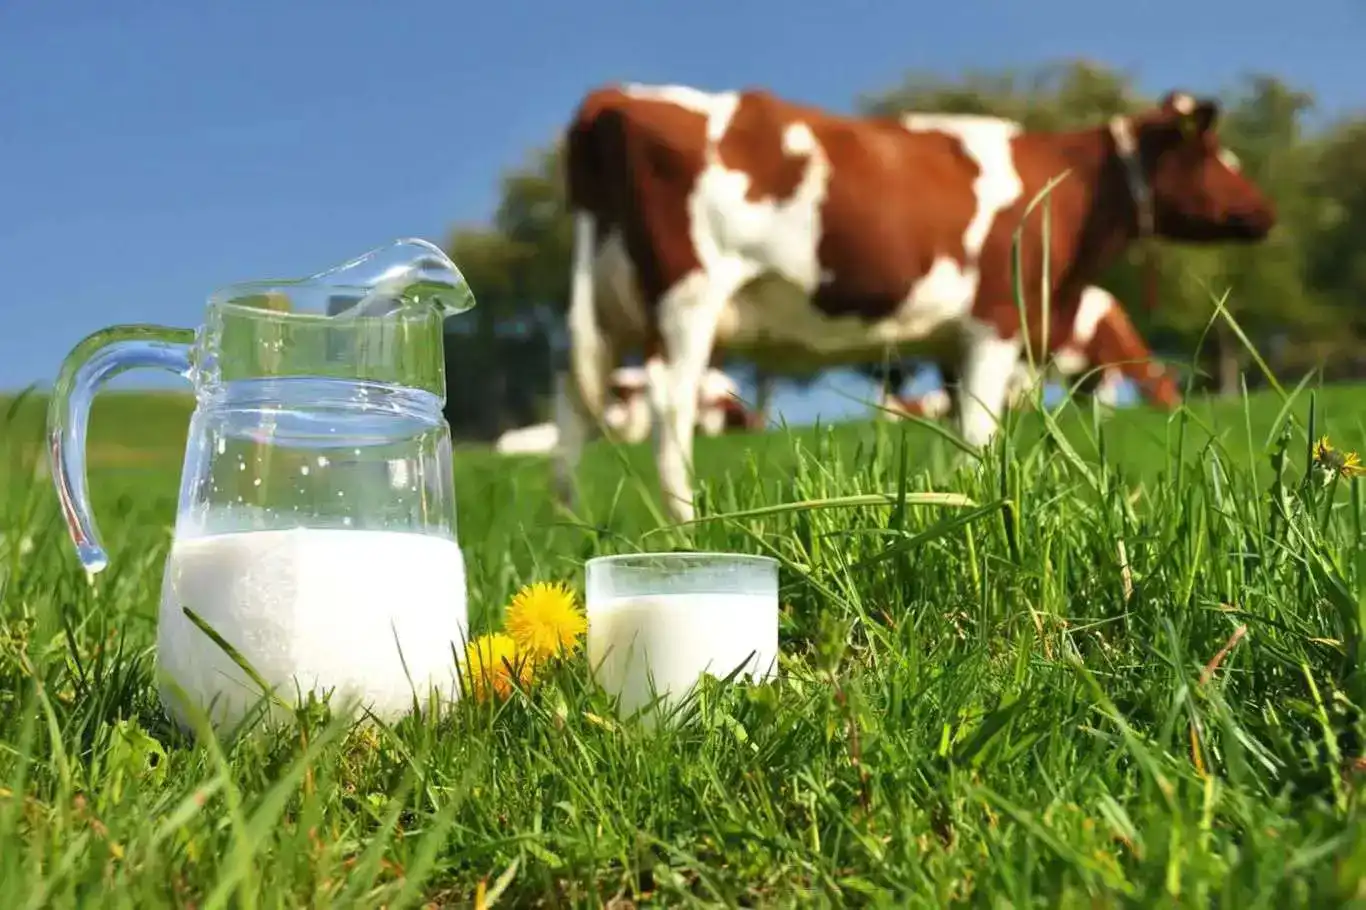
(798, 139)
(948, 290)
(987, 141)
(1230, 160)
(693, 99)
(1095, 305)
(738, 240)
(717, 390)
(717, 107)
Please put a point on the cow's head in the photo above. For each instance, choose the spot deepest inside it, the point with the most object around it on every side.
(1187, 187)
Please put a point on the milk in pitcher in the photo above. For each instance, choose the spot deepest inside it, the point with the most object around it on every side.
(312, 608)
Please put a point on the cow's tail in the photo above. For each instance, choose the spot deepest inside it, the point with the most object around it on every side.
(581, 395)
(589, 365)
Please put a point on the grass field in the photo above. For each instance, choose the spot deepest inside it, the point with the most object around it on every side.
(1127, 676)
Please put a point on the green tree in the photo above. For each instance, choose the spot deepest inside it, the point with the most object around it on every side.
(497, 355)
(1265, 283)
(534, 215)
(1335, 242)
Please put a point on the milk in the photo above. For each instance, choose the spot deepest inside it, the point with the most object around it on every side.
(323, 608)
(677, 637)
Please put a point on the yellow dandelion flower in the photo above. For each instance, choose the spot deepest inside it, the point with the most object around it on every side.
(544, 620)
(1333, 461)
(493, 664)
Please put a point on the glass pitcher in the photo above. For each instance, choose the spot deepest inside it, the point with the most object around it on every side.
(316, 527)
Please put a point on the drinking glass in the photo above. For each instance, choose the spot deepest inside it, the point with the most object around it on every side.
(658, 621)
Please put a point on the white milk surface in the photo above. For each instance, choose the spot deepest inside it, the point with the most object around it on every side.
(677, 637)
(323, 608)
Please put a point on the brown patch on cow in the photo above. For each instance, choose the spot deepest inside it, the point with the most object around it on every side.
(896, 202)
(753, 144)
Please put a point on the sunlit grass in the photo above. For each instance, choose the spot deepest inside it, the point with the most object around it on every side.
(1124, 677)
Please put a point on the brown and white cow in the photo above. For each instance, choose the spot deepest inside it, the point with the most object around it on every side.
(1102, 347)
(790, 236)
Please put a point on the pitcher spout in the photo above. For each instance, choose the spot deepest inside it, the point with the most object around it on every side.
(407, 272)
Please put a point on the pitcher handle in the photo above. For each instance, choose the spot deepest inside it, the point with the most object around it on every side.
(91, 363)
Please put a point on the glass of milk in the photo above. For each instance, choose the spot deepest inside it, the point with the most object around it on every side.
(658, 621)
(316, 530)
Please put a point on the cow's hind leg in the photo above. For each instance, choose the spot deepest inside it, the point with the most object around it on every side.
(580, 394)
(988, 363)
(688, 315)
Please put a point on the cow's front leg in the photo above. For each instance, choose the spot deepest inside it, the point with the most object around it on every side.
(987, 367)
(687, 325)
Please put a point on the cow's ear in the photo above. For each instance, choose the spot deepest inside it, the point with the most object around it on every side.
(1193, 116)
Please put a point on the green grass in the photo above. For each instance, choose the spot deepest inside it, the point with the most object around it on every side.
(1129, 677)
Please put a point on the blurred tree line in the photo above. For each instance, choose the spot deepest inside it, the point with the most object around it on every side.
(1300, 296)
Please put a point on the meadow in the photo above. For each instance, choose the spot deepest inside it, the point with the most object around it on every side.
(1124, 674)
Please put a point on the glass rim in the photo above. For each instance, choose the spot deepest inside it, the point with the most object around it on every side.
(684, 556)
(229, 299)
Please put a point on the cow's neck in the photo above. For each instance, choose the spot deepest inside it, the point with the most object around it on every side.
(1107, 185)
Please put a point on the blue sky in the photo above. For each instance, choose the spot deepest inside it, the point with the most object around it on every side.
(150, 155)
